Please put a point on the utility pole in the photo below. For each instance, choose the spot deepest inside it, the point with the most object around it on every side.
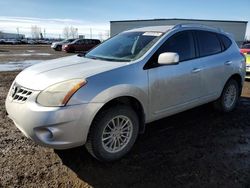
(90, 33)
(77, 33)
(44, 33)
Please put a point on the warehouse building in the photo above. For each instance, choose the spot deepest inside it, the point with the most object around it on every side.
(11, 36)
(236, 28)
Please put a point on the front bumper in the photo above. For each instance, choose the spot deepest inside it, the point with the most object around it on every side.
(56, 127)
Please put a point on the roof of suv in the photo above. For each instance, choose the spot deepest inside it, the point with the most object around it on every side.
(154, 28)
(166, 28)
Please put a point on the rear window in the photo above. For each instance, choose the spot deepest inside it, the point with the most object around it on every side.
(209, 43)
(226, 41)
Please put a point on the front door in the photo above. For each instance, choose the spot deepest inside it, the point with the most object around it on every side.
(173, 88)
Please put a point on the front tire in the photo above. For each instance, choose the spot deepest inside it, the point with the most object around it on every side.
(58, 48)
(229, 97)
(113, 133)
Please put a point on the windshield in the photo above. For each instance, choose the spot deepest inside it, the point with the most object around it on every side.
(67, 40)
(126, 46)
(70, 40)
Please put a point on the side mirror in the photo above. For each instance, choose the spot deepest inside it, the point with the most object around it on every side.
(168, 58)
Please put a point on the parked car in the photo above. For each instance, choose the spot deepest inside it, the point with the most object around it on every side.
(245, 48)
(2, 41)
(104, 99)
(24, 41)
(247, 66)
(12, 41)
(30, 41)
(81, 45)
(58, 45)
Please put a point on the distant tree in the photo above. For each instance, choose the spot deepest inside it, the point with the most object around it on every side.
(100, 36)
(35, 32)
(106, 34)
(66, 32)
(73, 32)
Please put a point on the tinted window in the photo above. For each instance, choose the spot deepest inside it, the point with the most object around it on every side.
(226, 41)
(181, 43)
(208, 43)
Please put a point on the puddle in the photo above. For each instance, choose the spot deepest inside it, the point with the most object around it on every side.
(17, 65)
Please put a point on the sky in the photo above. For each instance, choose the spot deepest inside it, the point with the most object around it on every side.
(94, 16)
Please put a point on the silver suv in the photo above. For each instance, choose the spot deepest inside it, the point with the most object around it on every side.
(104, 99)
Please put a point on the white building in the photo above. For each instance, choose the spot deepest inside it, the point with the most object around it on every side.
(236, 28)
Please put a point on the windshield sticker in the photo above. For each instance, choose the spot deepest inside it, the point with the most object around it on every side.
(155, 34)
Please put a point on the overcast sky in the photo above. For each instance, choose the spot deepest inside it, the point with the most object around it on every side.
(54, 15)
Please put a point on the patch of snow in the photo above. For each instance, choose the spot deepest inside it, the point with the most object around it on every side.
(18, 65)
(31, 51)
(26, 54)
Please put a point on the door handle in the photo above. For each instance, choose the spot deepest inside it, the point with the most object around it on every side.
(228, 62)
(196, 70)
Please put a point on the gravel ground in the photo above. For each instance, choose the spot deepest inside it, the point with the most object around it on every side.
(197, 148)
(28, 52)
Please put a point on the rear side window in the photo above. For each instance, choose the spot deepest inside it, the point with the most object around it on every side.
(225, 41)
(208, 42)
(181, 43)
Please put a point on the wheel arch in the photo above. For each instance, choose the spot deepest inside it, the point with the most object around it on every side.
(131, 101)
(238, 79)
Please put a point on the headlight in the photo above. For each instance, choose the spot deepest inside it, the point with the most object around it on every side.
(60, 93)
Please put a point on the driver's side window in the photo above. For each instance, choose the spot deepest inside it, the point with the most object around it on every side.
(181, 43)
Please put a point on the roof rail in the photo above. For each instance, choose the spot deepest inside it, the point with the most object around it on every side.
(197, 25)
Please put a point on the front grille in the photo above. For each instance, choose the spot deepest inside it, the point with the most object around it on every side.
(19, 94)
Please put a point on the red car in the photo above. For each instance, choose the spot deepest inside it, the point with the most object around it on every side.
(245, 48)
(81, 45)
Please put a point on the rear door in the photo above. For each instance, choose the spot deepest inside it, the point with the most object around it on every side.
(213, 61)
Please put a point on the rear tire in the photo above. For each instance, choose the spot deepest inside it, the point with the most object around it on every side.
(229, 97)
(113, 133)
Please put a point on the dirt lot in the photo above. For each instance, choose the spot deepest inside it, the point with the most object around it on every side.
(197, 148)
(28, 52)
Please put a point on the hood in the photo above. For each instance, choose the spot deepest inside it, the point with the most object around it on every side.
(47, 73)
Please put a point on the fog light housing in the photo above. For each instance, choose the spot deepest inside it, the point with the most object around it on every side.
(44, 134)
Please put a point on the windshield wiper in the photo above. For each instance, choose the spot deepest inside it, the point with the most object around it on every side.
(107, 59)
